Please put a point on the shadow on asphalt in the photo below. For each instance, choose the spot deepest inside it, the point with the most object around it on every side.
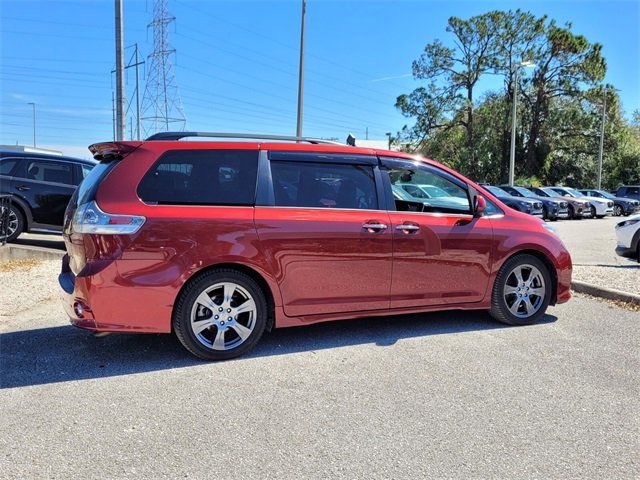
(54, 242)
(59, 354)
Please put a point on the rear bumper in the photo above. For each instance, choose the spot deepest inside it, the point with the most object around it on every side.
(106, 301)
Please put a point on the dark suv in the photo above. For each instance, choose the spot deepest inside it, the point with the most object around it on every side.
(40, 186)
(629, 191)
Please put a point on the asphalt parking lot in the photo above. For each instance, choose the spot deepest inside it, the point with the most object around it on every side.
(452, 395)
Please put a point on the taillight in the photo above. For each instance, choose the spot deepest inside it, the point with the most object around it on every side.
(88, 218)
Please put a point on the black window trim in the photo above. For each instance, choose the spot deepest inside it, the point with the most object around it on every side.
(200, 204)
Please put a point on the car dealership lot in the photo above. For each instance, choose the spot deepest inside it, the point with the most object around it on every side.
(451, 394)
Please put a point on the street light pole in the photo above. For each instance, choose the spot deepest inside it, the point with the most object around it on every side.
(301, 71)
(512, 155)
(604, 119)
(34, 122)
(514, 103)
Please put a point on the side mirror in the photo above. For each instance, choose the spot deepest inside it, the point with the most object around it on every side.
(480, 206)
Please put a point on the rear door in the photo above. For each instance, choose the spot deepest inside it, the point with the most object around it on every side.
(325, 231)
(46, 185)
(441, 254)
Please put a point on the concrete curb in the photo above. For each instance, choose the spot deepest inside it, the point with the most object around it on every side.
(603, 292)
(15, 252)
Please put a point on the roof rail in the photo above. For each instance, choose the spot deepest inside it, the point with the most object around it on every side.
(168, 136)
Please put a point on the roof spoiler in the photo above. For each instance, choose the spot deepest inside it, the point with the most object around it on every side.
(109, 151)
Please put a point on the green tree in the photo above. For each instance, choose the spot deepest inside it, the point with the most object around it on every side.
(452, 74)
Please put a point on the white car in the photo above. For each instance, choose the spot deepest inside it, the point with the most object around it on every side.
(600, 207)
(628, 234)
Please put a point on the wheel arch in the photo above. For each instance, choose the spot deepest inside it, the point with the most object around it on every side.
(546, 260)
(24, 210)
(257, 276)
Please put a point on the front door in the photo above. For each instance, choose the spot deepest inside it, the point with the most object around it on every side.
(441, 253)
(326, 235)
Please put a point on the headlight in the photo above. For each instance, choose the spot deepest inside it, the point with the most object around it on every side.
(524, 204)
(628, 223)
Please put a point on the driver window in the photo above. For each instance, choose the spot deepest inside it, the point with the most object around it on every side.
(422, 184)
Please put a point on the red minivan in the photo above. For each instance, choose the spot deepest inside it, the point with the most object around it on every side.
(220, 240)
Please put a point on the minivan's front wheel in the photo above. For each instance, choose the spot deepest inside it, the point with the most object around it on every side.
(522, 291)
(220, 315)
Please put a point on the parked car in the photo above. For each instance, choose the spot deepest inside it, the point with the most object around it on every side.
(521, 204)
(629, 191)
(600, 207)
(552, 209)
(621, 205)
(578, 207)
(40, 186)
(221, 240)
(628, 234)
(431, 196)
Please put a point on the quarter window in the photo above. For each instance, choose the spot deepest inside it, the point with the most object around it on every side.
(418, 187)
(202, 177)
(48, 171)
(323, 185)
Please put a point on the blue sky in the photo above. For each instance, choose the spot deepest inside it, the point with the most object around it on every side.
(236, 62)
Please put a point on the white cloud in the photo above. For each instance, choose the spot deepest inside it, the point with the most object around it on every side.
(392, 77)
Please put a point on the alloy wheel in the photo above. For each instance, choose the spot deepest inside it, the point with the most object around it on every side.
(618, 211)
(524, 291)
(12, 223)
(223, 316)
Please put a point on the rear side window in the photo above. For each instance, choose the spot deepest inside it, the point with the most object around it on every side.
(49, 171)
(202, 177)
(323, 185)
(6, 165)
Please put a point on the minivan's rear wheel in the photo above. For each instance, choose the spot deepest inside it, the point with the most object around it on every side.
(220, 315)
(522, 291)
(13, 221)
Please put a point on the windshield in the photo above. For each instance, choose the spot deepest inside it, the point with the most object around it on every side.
(524, 191)
(574, 193)
(434, 191)
(605, 194)
(549, 192)
(496, 191)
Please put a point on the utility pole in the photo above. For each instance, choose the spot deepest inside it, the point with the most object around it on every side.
(34, 122)
(120, 95)
(604, 119)
(301, 70)
(113, 115)
(514, 105)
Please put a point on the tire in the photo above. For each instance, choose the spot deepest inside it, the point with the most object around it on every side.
(15, 226)
(572, 213)
(518, 314)
(618, 211)
(593, 212)
(212, 338)
(545, 214)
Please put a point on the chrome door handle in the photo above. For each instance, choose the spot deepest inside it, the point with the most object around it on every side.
(22, 188)
(374, 227)
(408, 228)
